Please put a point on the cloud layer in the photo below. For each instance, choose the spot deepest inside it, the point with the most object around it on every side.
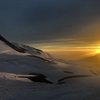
(28, 20)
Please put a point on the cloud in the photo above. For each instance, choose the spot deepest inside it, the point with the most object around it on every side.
(24, 20)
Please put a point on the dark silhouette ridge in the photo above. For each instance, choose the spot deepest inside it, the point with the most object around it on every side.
(75, 76)
(93, 73)
(38, 78)
(94, 59)
(40, 58)
(68, 72)
(21, 50)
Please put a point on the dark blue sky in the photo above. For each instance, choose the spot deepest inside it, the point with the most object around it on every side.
(34, 20)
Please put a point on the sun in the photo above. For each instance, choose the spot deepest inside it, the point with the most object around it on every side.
(97, 51)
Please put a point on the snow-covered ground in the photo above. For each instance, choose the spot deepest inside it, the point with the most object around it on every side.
(74, 89)
(27, 76)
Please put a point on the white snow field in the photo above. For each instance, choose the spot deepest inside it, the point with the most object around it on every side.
(28, 73)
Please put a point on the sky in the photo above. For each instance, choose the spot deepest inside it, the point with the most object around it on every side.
(52, 24)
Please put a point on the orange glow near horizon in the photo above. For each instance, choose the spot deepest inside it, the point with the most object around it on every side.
(98, 50)
(68, 52)
(72, 54)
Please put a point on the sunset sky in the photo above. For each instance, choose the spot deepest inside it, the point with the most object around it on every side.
(53, 25)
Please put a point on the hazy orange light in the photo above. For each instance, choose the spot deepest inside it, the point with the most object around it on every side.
(97, 51)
